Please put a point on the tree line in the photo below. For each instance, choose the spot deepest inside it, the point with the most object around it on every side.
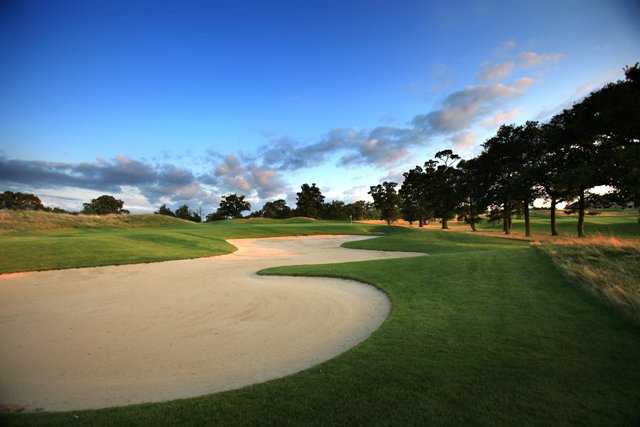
(310, 202)
(595, 142)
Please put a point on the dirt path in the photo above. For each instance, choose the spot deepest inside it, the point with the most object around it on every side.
(109, 336)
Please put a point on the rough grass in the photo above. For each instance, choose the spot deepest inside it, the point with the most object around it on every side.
(607, 266)
(11, 221)
(482, 332)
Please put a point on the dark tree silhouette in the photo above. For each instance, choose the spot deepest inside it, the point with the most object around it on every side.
(276, 209)
(103, 205)
(553, 158)
(335, 209)
(164, 210)
(183, 212)
(443, 185)
(415, 202)
(20, 201)
(309, 201)
(472, 190)
(613, 115)
(386, 199)
(233, 205)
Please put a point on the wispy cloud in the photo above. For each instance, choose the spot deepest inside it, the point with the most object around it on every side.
(533, 59)
(497, 71)
(464, 141)
(500, 118)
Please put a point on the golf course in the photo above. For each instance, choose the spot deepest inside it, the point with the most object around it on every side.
(482, 330)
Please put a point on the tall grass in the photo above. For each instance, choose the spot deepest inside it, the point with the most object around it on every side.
(38, 221)
(607, 266)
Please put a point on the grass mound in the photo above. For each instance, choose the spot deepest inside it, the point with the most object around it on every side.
(607, 266)
(38, 221)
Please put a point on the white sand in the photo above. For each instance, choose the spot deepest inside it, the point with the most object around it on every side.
(109, 336)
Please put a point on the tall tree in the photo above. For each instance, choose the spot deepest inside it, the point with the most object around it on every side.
(444, 186)
(613, 114)
(233, 205)
(103, 205)
(553, 159)
(472, 189)
(415, 200)
(309, 201)
(503, 160)
(386, 199)
(528, 141)
(582, 169)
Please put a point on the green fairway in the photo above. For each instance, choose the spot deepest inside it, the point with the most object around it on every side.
(484, 331)
(108, 245)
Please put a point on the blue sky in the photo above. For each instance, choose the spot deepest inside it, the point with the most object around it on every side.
(171, 102)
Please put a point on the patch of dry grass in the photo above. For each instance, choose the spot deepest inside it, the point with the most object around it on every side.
(40, 221)
(607, 266)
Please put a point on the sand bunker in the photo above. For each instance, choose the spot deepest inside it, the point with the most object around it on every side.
(109, 336)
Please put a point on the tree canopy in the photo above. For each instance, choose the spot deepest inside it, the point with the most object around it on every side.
(104, 205)
(309, 201)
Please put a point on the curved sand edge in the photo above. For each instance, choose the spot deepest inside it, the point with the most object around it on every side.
(109, 336)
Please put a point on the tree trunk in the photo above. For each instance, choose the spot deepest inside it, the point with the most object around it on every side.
(554, 231)
(388, 222)
(421, 222)
(445, 226)
(507, 218)
(527, 222)
(581, 214)
(471, 217)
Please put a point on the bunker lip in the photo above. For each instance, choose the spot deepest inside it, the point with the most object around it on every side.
(98, 337)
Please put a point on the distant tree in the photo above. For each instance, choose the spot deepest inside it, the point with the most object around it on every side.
(309, 201)
(233, 205)
(357, 210)
(20, 201)
(104, 205)
(386, 200)
(414, 201)
(276, 209)
(183, 212)
(215, 216)
(335, 209)
(164, 210)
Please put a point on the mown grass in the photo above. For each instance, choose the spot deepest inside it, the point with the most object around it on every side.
(617, 223)
(483, 331)
(53, 241)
